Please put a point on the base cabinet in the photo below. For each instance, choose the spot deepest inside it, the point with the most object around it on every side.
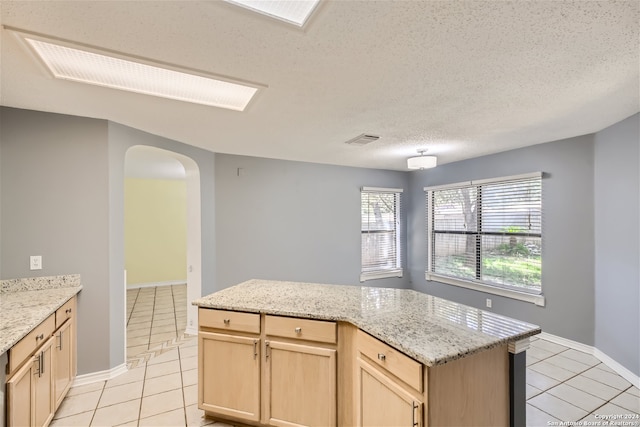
(42, 367)
(229, 375)
(267, 370)
(30, 390)
(63, 362)
(300, 385)
(271, 370)
(383, 402)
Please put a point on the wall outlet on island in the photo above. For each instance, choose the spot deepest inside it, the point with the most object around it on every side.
(35, 262)
(488, 302)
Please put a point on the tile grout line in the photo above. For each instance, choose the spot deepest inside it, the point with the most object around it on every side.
(153, 315)
(175, 317)
(144, 383)
(97, 403)
(184, 401)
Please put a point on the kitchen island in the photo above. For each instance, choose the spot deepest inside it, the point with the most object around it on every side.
(358, 353)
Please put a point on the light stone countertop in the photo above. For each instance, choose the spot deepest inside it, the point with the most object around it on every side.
(431, 330)
(25, 303)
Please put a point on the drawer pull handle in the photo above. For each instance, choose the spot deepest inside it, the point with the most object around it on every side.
(60, 336)
(39, 337)
(227, 321)
(298, 330)
(255, 349)
(382, 357)
(68, 311)
(414, 420)
(39, 359)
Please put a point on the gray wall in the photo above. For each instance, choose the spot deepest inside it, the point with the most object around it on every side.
(284, 220)
(55, 204)
(568, 233)
(62, 190)
(617, 241)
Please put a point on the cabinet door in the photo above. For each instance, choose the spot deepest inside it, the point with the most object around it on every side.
(19, 392)
(43, 385)
(229, 375)
(300, 385)
(62, 362)
(30, 391)
(382, 402)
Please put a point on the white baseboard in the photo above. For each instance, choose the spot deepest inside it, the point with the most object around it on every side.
(94, 377)
(156, 284)
(567, 342)
(621, 370)
(599, 354)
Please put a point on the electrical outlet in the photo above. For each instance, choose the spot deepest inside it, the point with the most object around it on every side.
(488, 303)
(35, 262)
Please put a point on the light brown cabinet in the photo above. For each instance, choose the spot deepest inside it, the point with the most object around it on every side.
(30, 390)
(300, 385)
(64, 351)
(383, 402)
(388, 386)
(267, 370)
(63, 362)
(299, 372)
(42, 367)
(229, 375)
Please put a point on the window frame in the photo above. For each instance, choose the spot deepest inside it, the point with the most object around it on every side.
(478, 285)
(385, 273)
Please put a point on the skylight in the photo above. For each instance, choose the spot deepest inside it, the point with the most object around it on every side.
(294, 12)
(84, 66)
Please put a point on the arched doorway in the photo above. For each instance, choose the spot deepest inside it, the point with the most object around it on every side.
(155, 163)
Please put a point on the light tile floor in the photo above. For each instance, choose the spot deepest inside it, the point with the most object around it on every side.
(563, 385)
(155, 315)
(566, 385)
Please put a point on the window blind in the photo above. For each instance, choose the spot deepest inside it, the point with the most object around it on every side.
(380, 231)
(488, 232)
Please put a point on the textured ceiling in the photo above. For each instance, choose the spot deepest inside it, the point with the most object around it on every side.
(460, 78)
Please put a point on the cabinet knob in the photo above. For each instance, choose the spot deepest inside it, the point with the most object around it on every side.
(226, 321)
(68, 311)
(382, 357)
(298, 330)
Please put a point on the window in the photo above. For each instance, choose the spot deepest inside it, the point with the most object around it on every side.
(381, 242)
(487, 235)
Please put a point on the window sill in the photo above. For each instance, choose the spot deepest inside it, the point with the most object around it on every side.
(380, 275)
(508, 293)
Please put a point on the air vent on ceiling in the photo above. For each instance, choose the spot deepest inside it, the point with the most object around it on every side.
(363, 139)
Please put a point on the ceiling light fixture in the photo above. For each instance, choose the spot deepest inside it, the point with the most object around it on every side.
(88, 65)
(295, 12)
(422, 161)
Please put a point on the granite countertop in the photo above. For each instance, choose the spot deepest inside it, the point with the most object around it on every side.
(431, 330)
(25, 303)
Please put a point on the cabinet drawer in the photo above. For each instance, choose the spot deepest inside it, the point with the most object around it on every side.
(67, 311)
(397, 363)
(229, 320)
(27, 345)
(304, 329)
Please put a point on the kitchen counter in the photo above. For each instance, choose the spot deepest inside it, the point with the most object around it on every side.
(25, 303)
(432, 330)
